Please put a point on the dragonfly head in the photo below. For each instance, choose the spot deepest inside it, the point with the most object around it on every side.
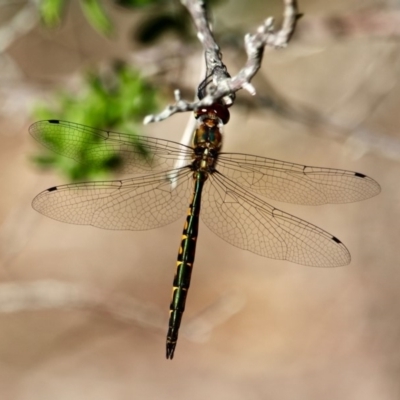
(215, 111)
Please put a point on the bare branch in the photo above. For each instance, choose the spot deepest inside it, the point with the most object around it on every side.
(218, 86)
(216, 70)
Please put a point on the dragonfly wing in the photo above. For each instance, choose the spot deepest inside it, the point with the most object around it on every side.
(295, 183)
(139, 203)
(137, 154)
(249, 223)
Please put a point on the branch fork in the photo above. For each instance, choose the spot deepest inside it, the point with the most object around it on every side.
(219, 86)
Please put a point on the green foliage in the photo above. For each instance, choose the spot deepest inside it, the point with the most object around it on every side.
(165, 15)
(108, 101)
(51, 12)
(117, 101)
(96, 16)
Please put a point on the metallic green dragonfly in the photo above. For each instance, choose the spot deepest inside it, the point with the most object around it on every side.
(221, 184)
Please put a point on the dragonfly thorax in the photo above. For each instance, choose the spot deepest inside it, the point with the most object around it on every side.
(208, 133)
(207, 142)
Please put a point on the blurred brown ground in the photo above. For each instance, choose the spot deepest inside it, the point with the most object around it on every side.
(83, 312)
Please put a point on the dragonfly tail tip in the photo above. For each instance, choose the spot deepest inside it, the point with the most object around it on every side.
(170, 350)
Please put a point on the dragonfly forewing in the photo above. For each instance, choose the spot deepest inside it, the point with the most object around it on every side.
(137, 154)
(295, 183)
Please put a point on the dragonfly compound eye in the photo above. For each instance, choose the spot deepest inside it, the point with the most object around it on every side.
(214, 111)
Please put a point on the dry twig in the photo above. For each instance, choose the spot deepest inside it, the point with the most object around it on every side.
(219, 86)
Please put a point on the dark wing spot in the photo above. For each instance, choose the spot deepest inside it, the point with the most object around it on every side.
(54, 121)
(52, 189)
(335, 239)
(360, 175)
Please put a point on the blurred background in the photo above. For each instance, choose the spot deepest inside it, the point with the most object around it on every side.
(83, 311)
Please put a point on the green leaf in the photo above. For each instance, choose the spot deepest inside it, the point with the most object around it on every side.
(117, 100)
(97, 17)
(45, 160)
(50, 11)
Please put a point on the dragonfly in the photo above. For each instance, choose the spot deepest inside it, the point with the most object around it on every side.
(226, 187)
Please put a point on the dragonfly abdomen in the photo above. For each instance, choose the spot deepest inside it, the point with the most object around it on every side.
(185, 262)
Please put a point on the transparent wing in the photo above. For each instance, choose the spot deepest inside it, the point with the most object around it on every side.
(295, 183)
(249, 223)
(68, 139)
(139, 203)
